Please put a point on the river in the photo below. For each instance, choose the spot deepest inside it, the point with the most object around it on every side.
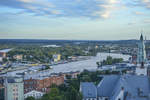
(89, 64)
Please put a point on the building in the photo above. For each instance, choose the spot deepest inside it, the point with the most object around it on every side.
(56, 57)
(2, 89)
(18, 57)
(2, 92)
(148, 71)
(71, 74)
(141, 69)
(1, 59)
(35, 94)
(118, 87)
(14, 88)
(3, 53)
(89, 91)
(134, 59)
(42, 84)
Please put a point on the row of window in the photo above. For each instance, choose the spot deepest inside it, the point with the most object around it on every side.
(31, 82)
(37, 95)
(96, 99)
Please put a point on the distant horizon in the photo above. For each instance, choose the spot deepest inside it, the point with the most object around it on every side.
(35, 38)
(71, 39)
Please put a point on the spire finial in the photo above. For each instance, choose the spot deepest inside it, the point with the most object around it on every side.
(141, 38)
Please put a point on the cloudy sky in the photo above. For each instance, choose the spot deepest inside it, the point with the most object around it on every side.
(74, 19)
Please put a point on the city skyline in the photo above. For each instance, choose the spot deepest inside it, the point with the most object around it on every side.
(74, 19)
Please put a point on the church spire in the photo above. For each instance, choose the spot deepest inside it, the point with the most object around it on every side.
(141, 56)
(141, 38)
(141, 68)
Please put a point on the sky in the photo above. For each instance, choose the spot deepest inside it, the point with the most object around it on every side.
(74, 19)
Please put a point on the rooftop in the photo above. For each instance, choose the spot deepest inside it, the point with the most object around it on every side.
(5, 50)
(14, 80)
(137, 87)
(89, 90)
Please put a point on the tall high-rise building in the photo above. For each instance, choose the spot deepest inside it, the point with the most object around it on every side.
(141, 56)
(14, 88)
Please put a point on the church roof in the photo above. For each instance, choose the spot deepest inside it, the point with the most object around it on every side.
(137, 87)
(106, 86)
(131, 84)
(88, 90)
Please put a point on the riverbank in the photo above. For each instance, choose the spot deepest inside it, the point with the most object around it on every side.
(86, 64)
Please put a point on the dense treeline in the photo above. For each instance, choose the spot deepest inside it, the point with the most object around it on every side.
(37, 53)
(110, 61)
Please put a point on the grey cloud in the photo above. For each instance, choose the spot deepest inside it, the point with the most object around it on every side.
(60, 8)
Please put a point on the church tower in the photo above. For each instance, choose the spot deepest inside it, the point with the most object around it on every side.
(141, 55)
(141, 68)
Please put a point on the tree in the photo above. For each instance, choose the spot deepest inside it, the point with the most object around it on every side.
(68, 77)
(62, 87)
(98, 64)
(30, 98)
(54, 94)
(72, 94)
(5, 60)
(110, 61)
